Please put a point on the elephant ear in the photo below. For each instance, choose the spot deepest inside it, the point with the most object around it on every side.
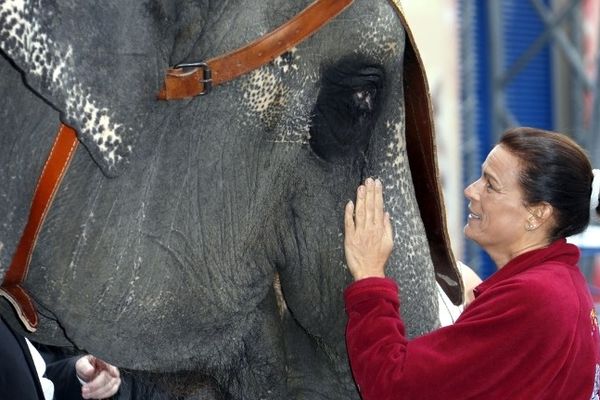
(421, 149)
(95, 63)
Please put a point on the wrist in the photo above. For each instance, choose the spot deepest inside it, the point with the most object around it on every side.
(362, 276)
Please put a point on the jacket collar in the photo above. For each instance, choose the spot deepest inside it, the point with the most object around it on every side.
(558, 251)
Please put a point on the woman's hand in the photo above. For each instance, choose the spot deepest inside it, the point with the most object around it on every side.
(368, 239)
(102, 380)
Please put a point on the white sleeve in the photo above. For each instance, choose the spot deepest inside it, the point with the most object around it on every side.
(448, 312)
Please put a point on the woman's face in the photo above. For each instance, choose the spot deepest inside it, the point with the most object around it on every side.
(497, 213)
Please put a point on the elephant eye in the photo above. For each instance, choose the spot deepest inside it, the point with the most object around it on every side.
(346, 110)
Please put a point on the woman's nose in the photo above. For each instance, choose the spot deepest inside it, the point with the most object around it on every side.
(470, 191)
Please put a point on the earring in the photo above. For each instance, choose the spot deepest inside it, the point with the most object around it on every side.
(529, 226)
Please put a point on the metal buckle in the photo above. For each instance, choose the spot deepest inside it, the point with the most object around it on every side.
(206, 75)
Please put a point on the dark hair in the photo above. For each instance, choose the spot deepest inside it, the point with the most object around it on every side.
(555, 170)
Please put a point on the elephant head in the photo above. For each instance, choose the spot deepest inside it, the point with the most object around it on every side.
(203, 237)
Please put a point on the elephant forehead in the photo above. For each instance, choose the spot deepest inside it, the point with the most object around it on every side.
(49, 64)
(383, 37)
(282, 94)
(279, 96)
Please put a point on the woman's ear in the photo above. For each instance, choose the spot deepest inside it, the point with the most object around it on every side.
(541, 213)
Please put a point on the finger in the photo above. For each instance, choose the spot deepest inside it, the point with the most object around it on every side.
(369, 201)
(97, 386)
(378, 201)
(359, 209)
(349, 219)
(84, 367)
(113, 371)
(100, 380)
(108, 389)
(387, 226)
(100, 365)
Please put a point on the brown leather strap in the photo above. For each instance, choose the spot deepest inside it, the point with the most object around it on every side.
(189, 80)
(54, 169)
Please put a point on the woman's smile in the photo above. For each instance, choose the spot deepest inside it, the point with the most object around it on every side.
(472, 215)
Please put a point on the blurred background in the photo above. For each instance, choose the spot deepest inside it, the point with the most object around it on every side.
(496, 64)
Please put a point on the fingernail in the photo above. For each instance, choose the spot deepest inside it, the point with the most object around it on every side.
(377, 182)
(369, 181)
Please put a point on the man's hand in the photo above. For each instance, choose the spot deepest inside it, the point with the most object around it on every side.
(368, 238)
(102, 380)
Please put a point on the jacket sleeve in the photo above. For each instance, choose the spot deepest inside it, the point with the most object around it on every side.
(474, 358)
(62, 374)
(375, 338)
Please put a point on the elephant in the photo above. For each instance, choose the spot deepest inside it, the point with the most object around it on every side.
(199, 242)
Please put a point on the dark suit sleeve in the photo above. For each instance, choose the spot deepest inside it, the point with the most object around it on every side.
(62, 374)
(18, 378)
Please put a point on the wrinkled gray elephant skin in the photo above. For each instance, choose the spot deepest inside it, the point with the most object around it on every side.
(163, 248)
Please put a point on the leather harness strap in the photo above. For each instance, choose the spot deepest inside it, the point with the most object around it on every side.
(192, 79)
(188, 80)
(181, 81)
(56, 165)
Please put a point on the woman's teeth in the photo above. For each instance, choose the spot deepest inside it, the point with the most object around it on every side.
(474, 216)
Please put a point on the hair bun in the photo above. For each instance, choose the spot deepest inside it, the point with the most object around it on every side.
(595, 217)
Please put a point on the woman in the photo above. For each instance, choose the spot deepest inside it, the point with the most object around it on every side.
(531, 331)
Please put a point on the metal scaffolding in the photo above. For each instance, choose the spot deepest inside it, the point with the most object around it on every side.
(488, 76)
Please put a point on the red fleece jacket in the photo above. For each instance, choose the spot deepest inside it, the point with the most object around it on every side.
(531, 333)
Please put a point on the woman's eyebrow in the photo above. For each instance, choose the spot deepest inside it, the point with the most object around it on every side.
(490, 177)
